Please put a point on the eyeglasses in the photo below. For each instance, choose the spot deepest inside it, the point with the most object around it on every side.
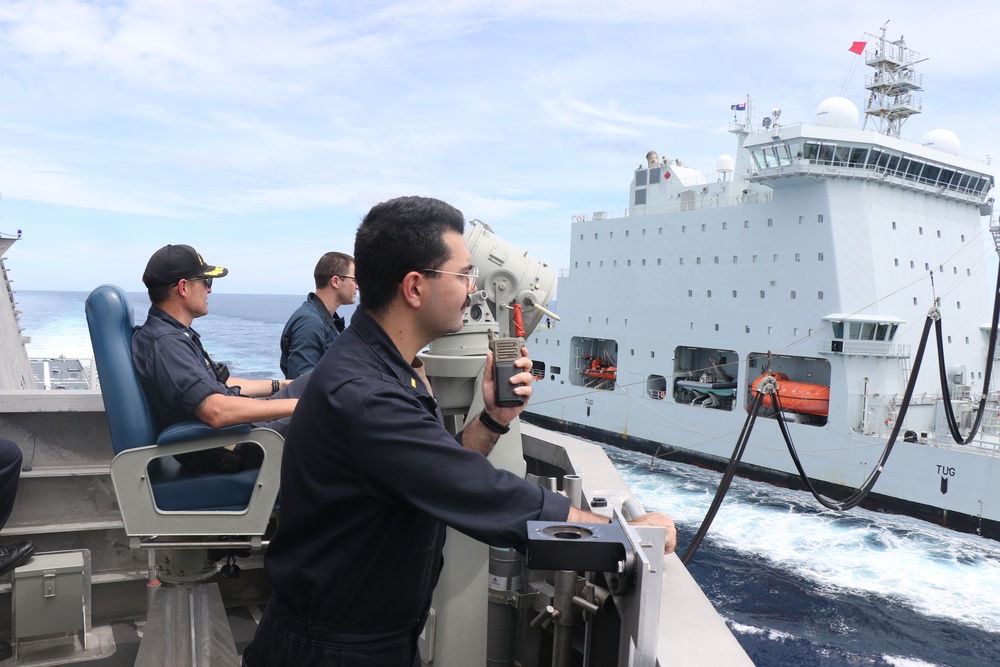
(204, 279)
(347, 277)
(472, 275)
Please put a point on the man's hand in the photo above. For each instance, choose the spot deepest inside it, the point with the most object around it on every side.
(662, 521)
(524, 378)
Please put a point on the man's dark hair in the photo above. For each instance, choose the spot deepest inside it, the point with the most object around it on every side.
(399, 236)
(329, 265)
(159, 294)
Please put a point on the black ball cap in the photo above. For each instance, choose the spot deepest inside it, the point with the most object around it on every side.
(173, 263)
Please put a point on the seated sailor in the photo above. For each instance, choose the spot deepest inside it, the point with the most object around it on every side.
(179, 377)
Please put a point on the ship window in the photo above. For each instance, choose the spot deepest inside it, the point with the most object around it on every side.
(717, 328)
(770, 157)
(841, 155)
(770, 222)
(684, 229)
(838, 329)
(958, 305)
(921, 230)
(793, 294)
(819, 218)
(611, 235)
(628, 262)
(939, 233)
(644, 262)
(660, 231)
(755, 259)
(703, 228)
(819, 257)
(725, 225)
(881, 331)
(894, 224)
(873, 157)
(798, 257)
(896, 261)
(538, 370)
(747, 328)
(774, 258)
(734, 294)
(697, 260)
(801, 219)
(746, 224)
(626, 233)
(758, 159)
(659, 261)
(883, 160)
(690, 293)
(945, 177)
(949, 343)
(595, 236)
(868, 331)
(784, 155)
(963, 238)
(893, 163)
(956, 177)
(708, 293)
(654, 175)
(912, 265)
(652, 354)
(614, 262)
(811, 151)
(556, 370)
(644, 231)
(892, 331)
(930, 174)
(762, 294)
(601, 264)
(716, 259)
(904, 166)
(914, 169)
(825, 154)
(819, 295)
(736, 259)
(927, 266)
(640, 177)
(855, 330)
(640, 197)
(954, 270)
(858, 156)
(964, 182)
(914, 301)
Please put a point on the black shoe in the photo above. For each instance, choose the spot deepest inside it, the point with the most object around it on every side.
(15, 555)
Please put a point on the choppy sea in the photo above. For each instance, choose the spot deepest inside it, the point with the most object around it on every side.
(798, 585)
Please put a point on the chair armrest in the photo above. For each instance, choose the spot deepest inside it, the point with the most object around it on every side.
(136, 490)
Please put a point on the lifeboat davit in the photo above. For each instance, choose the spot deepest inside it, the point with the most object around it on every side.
(803, 397)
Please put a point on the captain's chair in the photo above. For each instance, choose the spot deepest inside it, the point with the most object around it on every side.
(156, 495)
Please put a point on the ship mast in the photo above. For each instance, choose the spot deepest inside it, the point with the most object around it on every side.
(892, 85)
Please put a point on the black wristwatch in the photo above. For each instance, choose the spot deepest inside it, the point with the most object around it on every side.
(492, 424)
(275, 386)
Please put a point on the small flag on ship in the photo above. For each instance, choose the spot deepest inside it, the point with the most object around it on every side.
(858, 47)
(742, 106)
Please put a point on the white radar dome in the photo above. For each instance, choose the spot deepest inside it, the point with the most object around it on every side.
(838, 112)
(725, 164)
(944, 140)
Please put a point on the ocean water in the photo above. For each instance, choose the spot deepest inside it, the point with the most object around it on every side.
(798, 585)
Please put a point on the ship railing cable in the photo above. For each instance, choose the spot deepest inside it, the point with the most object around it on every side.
(772, 387)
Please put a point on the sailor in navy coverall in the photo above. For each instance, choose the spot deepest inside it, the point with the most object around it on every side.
(370, 476)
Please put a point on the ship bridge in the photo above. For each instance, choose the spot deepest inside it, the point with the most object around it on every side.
(794, 155)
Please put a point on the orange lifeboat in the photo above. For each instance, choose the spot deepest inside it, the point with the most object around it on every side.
(598, 369)
(803, 397)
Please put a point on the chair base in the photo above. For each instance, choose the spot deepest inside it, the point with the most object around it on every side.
(187, 626)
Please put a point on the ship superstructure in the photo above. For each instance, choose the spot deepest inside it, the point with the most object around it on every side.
(816, 255)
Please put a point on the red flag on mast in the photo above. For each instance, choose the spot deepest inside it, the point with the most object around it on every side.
(858, 47)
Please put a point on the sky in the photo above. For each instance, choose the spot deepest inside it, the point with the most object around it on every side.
(261, 132)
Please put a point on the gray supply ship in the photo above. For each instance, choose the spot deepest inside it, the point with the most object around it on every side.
(814, 258)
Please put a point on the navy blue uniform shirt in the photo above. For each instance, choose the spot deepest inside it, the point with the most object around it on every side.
(172, 369)
(307, 335)
(369, 477)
